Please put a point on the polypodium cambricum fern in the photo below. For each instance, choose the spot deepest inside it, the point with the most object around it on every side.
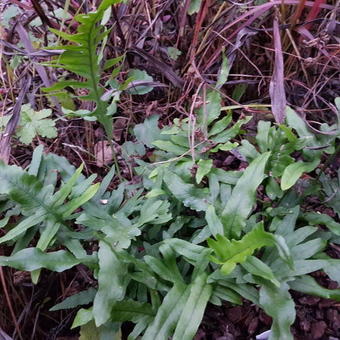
(46, 213)
(82, 59)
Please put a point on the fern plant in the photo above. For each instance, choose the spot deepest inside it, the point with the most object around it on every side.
(82, 58)
(175, 241)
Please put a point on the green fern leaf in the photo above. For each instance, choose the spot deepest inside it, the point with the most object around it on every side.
(46, 208)
(231, 252)
(82, 59)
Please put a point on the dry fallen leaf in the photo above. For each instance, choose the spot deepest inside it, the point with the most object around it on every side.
(103, 153)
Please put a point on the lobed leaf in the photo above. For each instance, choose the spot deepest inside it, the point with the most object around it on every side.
(192, 197)
(277, 303)
(243, 196)
(30, 259)
(231, 252)
(308, 285)
(81, 298)
(294, 171)
(112, 282)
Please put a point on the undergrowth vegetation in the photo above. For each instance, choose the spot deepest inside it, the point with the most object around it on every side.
(184, 233)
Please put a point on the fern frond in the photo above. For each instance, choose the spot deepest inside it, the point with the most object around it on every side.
(39, 205)
(82, 59)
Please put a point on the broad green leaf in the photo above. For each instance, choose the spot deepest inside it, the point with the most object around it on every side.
(167, 271)
(83, 317)
(112, 282)
(131, 150)
(35, 123)
(106, 3)
(111, 62)
(4, 121)
(234, 282)
(36, 160)
(212, 109)
(277, 303)
(168, 313)
(75, 247)
(227, 177)
(170, 147)
(220, 125)
(308, 249)
(155, 193)
(4, 221)
(226, 294)
(192, 197)
(232, 132)
(224, 147)
(117, 230)
(286, 226)
(308, 285)
(104, 184)
(273, 190)
(282, 250)
(289, 133)
(298, 124)
(323, 219)
(154, 211)
(299, 235)
(140, 76)
(139, 328)
(49, 232)
(81, 186)
(30, 259)
(81, 298)
(245, 290)
(262, 137)
(294, 171)
(193, 310)
(130, 310)
(45, 207)
(248, 150)
(66, 188)
(301, 267)
(192, 252)
(10, 176)
(238, 92)
(204, 167)
(224, 71)
(194, 6)
(243, 195)
(27, 187)
(24, 225)
(214, 187)
(337, 103)
(256, 267)
(74, 204)
(214, 223)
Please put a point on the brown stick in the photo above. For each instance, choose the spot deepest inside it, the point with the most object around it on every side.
(5, 138)
(8, 300)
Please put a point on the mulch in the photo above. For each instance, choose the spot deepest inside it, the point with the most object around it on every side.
(315, 319)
